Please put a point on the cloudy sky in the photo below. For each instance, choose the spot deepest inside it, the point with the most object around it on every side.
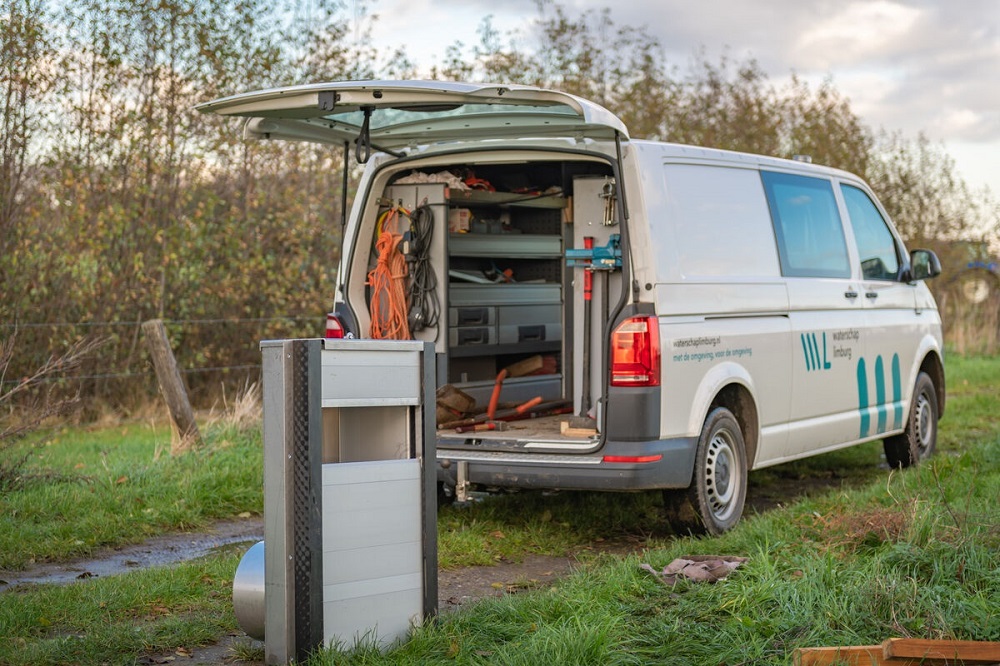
(910, 65)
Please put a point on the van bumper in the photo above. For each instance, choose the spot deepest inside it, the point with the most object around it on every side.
(568, 471)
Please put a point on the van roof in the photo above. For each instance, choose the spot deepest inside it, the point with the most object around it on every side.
(687, 154)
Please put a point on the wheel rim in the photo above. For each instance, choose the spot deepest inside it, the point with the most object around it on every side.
(722, 483)
(923, 424)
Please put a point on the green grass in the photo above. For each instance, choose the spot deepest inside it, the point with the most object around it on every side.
(914, 553)
(110, 487)
(865, 555)
(114, 620)
(507, 527)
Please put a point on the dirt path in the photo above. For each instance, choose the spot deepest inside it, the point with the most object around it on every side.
(457, 588)
(158, 551)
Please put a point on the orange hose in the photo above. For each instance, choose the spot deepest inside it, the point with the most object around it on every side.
(522, 408)
(491, 410)
(389, 306)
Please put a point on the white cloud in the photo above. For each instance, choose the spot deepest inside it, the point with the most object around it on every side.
(858, 32)
(911, 65)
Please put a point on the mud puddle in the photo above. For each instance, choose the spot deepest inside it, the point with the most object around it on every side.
(157, 551)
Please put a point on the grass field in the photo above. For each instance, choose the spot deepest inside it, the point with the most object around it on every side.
(868, 555)
(114, 486)
(915, 553)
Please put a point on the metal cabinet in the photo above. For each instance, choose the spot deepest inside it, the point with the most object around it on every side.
(349, 494)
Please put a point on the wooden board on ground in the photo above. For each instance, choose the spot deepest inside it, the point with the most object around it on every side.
(964, 652)
(902, 652)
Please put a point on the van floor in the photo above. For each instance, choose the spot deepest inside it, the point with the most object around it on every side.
(546, 428)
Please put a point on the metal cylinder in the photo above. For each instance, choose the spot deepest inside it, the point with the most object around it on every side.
(248, 592)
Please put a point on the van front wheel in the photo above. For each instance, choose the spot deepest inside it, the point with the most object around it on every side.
(714, 502)
(920, 437)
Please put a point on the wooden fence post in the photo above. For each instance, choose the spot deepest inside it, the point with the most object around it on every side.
(185, 430)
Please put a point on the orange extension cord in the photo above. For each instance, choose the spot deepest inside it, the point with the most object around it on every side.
(389, 306)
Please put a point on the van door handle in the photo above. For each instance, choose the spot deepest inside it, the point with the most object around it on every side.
(850, 294)
(871, 294)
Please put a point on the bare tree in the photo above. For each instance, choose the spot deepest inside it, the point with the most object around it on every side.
(26, 74)
(29, 401)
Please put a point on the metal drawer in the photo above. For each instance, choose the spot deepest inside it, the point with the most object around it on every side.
(472, 336)
(529, 323)
(461, 295)
(470, 315)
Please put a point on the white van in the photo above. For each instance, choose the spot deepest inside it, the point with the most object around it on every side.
(688, 314)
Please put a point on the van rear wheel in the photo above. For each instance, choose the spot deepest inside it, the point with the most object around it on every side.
(714, 501)
(918, 441)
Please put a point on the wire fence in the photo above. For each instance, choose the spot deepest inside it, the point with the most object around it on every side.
(84, 324)
(212, 354)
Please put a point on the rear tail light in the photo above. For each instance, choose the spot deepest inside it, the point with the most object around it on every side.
(635, 353)
(334, 329)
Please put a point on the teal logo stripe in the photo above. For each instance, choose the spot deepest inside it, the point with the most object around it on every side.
(880, 394)
(863, 397)
(881, 406)
(897, 394)
(815, 360)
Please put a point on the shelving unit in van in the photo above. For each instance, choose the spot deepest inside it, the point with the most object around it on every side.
(493, 324)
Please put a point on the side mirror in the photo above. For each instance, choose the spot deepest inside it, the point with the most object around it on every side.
(924, 265)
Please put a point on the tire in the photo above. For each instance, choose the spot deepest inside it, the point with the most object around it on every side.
(919, 439)
(714, 502)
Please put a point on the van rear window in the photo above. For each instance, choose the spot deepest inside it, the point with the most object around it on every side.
(807, 226)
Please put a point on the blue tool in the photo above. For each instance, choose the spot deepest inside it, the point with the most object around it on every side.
(604, 257)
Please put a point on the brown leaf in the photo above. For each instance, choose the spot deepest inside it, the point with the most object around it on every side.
(121, 480)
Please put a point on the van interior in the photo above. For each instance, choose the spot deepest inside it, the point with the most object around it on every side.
(496, 257)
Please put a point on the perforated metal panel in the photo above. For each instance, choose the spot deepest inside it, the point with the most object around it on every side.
(537, 220)
(307, 545)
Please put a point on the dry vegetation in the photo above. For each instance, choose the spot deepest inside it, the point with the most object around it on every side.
(118, 203)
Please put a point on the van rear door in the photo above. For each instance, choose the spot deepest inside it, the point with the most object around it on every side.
(395, 115)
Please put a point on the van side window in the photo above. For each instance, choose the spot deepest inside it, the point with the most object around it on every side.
(723, 229)
(876, 246)
(807, 226)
